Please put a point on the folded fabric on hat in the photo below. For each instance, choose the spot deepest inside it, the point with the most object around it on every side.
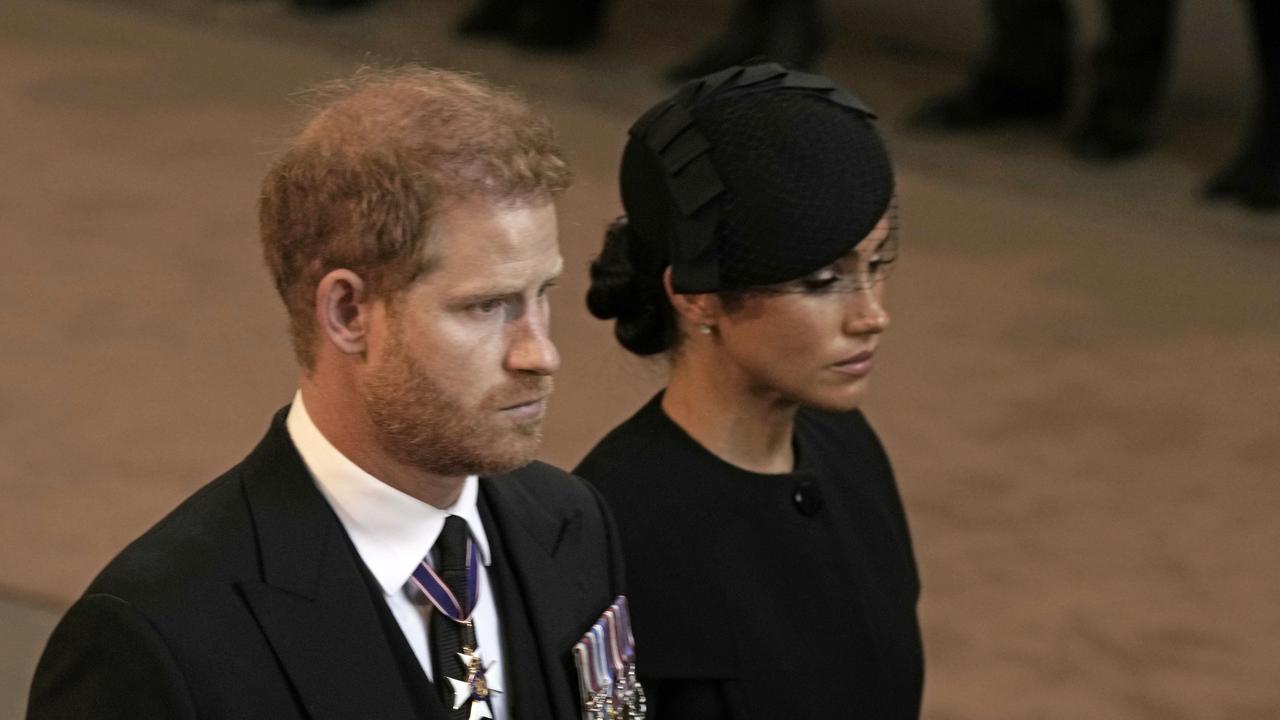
(755, 176)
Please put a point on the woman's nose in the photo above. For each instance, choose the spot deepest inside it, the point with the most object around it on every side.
(866, 313)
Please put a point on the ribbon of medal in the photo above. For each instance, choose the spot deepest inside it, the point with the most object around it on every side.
(628, 694)
(606, 668)
(593, 675)
(474, 688)
(425, 577)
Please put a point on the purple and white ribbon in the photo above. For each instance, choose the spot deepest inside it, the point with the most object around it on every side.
(438, 592)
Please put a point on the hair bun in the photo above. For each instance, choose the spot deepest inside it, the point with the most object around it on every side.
(626, 284)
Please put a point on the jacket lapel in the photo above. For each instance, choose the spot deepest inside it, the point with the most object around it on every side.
(540, 547)
(312, 603)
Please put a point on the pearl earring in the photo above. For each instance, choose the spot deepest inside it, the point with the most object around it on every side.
(704, 329)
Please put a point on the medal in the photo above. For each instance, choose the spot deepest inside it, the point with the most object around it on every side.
(475, 688)
(605, 657)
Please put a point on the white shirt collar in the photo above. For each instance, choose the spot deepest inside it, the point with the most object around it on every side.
(392, 531)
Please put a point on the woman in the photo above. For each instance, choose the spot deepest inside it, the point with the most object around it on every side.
(770, 570)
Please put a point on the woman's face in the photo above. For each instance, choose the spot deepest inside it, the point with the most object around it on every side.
(812, 340)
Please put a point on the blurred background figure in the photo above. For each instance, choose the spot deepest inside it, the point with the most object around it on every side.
(330, 6)
(790, 32)
(536, 24)
(1027, 73)
(1253, 177)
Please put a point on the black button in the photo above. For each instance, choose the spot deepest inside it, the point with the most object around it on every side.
(808, 498)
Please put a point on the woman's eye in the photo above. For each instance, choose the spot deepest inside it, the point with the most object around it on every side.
(818, 283)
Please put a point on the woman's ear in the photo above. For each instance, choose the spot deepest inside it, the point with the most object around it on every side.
(342, 311)
(698, 310)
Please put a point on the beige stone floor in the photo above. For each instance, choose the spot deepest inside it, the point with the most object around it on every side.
(1080, 390)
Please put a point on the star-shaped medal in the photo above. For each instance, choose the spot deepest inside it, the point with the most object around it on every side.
(475, 688)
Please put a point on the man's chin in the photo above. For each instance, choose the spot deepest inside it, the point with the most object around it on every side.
(516, 451)
(521, 453)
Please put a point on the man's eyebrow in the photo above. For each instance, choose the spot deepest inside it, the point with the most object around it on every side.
(489, 293)
(497, 291)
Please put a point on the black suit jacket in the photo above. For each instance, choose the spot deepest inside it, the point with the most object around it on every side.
(248, 601)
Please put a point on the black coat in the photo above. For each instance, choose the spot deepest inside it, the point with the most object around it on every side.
(765, 596)
(248, 601)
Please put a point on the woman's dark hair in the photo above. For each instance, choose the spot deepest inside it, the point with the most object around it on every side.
(626, 284)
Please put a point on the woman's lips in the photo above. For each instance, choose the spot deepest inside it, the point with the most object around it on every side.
(856, 366)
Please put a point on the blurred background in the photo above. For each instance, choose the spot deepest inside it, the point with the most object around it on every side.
(1080, 390)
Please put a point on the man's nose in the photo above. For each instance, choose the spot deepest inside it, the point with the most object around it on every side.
(531, 349)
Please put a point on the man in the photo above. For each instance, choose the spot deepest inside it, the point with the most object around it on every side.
(388, 550)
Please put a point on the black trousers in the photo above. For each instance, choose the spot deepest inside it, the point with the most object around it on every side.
(1265, 15)
(1030, 48)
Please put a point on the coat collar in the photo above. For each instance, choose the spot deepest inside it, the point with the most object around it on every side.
(543, 547)
(312, 602)
(315, 609)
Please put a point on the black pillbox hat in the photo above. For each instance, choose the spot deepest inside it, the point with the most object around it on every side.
(754, 175)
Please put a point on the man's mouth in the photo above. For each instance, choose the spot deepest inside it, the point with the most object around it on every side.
(526, 410)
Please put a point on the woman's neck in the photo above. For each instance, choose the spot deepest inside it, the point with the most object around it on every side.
(751, 429)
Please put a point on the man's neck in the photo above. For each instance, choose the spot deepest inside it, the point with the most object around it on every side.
(343, 420)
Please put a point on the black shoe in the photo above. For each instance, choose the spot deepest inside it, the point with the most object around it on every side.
(558, 25)
(1232, 181)
(1253, 176)
(490, 18)
(1109, 133)
(324, 7)
(982, 105)
(723, 52)
(793, 40)
(795, 37)
(554, 38)
(1249, 179)
(1264, 195)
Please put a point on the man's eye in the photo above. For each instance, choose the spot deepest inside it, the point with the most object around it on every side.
(545, 288)
(487, 307)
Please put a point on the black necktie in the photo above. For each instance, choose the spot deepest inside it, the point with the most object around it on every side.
(449, 638)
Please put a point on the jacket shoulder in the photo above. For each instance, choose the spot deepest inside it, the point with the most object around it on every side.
(547, 478)
(105, 658)
(543, 498)
(630, 453)
(207, 539)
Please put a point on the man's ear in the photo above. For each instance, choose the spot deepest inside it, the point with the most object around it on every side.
(700, 310)
(342, 311)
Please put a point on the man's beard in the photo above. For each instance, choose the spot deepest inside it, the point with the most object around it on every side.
(419, 423)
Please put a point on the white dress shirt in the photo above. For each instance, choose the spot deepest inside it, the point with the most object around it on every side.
(393, 532)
